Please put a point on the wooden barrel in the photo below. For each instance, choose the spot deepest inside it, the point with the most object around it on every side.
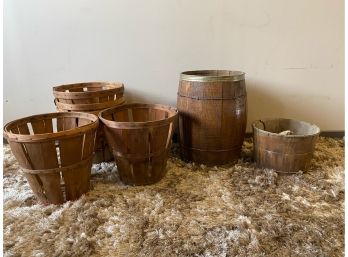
(284, 145)
(140, 138)
(91, 97)
(55, 152)
(212, 107)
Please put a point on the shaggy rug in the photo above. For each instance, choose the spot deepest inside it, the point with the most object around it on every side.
(232, 210)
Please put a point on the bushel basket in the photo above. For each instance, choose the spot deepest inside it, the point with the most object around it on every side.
(88, 97)
(55, 152)
(139, 136)
(91, 97)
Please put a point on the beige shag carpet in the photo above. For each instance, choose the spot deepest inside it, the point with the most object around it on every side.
(233, 210)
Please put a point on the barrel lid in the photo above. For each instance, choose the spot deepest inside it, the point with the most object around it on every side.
(212, 75)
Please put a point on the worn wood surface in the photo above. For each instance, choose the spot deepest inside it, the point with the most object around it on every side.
(284, 153)
(212, 119)
(91, 97)
(57, 164)
(140, 138)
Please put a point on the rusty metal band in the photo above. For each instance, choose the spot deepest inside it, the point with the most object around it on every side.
(59, 169)
(211, 98)
(209, 76)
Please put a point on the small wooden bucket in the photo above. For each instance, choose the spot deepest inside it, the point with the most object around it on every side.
(91, 97)
(56, 162)
(140, 138)
(285, 153)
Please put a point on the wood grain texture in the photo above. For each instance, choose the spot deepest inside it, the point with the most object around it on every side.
(212, 120)
(91, 97)
(284, 153)
(50, 159)
(140, 138)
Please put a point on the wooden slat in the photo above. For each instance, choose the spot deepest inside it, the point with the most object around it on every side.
(137, 143)
(15, 130)
(121, 116)
(155, 114)
(82, 122)
(104, 99)
(42, 155)
(77, 181)
(80, 89)
(38, 126)
(23, 129)
(140, 114)
(20, 154)
(51, 186)
(70, 123)
(88, 145)
(36, 185)
(42, 126)
(159, 138)
(70, 150)
(60, 124)
(70, 153)
(48, 125)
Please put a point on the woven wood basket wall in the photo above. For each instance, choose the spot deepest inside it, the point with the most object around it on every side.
(91, 97)
(56, 162)
(140, 138)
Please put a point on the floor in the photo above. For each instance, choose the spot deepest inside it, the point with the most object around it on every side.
(232, 210)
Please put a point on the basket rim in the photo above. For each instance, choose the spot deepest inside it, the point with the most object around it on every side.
(272, 134)
(53, 135)
(57, 90)
(134, 124)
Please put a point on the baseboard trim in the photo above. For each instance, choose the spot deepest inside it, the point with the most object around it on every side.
(333, 133)
(328, 133)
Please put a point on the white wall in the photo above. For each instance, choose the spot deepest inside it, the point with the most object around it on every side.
(292, 51)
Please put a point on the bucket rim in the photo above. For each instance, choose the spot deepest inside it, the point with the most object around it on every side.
(265, 132)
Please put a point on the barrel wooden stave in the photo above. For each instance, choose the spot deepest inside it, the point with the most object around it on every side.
(140, 138)
(44, 157)
(288, 154)
(212, 120)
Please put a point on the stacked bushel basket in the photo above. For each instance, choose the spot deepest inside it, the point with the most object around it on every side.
(56, 150)
(91, 97)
